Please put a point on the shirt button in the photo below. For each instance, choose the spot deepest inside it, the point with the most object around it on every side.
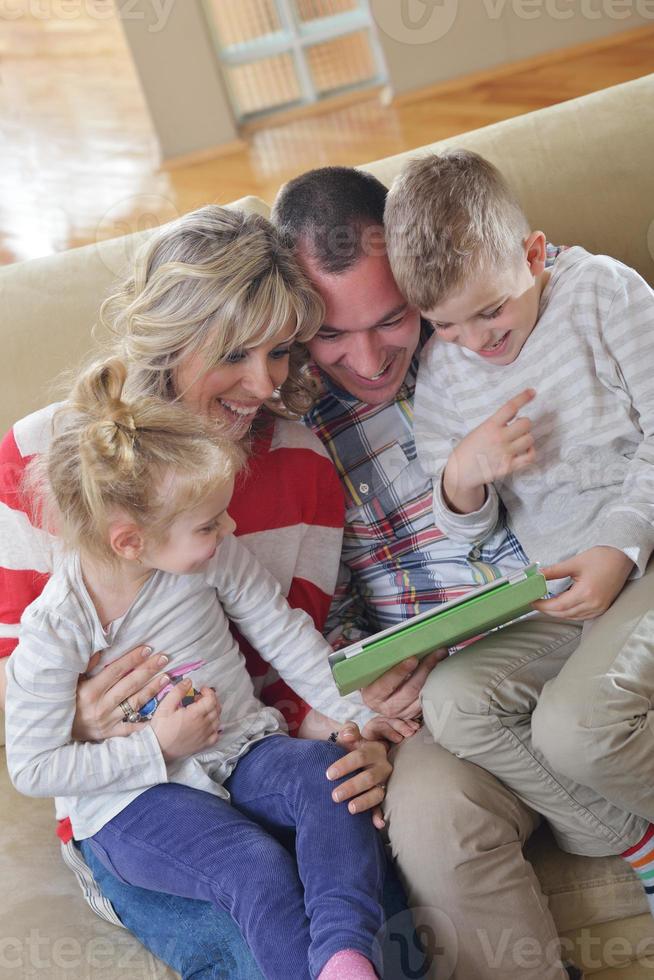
(363, 488)
(475, 553)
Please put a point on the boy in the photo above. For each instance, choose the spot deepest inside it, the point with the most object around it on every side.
(538, 383)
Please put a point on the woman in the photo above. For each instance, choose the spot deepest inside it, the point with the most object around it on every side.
(209, 315)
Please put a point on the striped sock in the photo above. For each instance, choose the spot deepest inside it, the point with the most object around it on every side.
(641, 859)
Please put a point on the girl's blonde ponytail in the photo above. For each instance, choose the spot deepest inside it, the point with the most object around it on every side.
(106, 441)
(110, 457)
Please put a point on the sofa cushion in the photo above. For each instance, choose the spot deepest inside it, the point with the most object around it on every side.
(584, 891)
(48, 931)
(613, 950)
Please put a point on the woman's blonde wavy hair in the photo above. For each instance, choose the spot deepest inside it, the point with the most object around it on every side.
(110, 455)
(215, 282)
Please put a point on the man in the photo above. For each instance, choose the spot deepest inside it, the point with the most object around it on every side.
(456, 832)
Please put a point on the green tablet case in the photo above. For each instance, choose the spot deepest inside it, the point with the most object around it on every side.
(479, 611)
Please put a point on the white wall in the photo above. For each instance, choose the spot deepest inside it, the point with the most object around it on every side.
(430, 41)
(173, 52)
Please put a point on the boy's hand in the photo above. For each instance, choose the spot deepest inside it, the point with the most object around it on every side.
(501, 445)
(598, 576)
(182, 733)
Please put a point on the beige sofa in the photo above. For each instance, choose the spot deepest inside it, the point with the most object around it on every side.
(585, 173)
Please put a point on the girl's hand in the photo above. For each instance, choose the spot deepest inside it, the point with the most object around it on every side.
(367, 788)
(182, 732)
(390, 729)
(134, 677)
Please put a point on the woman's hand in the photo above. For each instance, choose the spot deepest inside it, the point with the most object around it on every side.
(181, 732)
(367, 788)
(134, 677)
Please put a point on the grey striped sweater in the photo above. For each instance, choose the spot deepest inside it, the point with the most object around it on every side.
(590, 358)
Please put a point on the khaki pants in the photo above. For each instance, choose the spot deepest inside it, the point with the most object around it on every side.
(457, 836)
(479, 703)
(595, 720)
(457, 831)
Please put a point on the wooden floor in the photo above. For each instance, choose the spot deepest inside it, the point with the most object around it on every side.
(80, 160)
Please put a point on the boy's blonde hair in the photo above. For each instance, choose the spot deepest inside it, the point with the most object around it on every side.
(112, 457)
(215, 282)
(449, 217)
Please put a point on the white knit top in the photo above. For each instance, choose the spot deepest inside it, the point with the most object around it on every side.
(188, 617)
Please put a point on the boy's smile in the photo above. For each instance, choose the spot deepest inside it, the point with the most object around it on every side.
(498, 348)
(494, 314)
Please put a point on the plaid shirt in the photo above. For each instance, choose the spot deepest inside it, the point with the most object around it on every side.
(395, 562)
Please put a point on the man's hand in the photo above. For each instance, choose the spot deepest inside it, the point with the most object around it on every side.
(367, 788)
(181, 732)
(393, 730)
(134, 677)
(598, 576)
(396, 694)
(501, 445)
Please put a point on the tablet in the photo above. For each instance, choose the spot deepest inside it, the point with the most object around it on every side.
(480, 610)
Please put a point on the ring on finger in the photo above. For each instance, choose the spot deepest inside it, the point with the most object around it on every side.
(129, 713)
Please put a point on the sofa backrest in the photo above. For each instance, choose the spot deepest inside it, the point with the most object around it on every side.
(583, 170)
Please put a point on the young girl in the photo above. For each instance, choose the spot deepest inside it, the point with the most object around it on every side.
(141, 491)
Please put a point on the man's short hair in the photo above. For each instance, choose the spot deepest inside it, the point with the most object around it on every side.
(334, 214)
(449, 217)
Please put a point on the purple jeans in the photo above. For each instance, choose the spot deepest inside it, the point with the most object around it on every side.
(294, 914)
